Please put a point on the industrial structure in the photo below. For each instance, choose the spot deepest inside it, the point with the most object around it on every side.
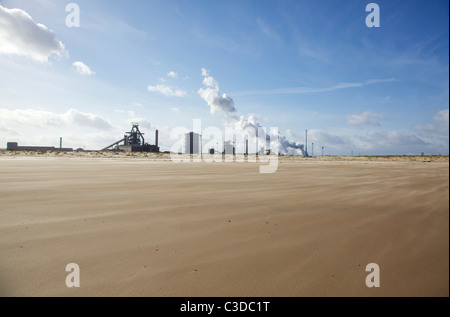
(14, 146)
(229, 148)
(192, 143)
(134, 141)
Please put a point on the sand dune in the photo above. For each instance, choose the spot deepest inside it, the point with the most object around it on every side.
(143, 226)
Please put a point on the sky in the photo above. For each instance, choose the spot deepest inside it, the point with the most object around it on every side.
(294, 65)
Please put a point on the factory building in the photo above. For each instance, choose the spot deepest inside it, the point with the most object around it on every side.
(14, 146)
(192, 143)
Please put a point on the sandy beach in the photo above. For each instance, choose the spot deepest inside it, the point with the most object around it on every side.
(140, 225)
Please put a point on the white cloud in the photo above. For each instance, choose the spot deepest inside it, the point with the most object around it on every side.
(442, 116)
(172, 74)
(82, 68)
(175, 109)
(143, 123)
(364, 119)
(21, 35)
(131, 114)
(29, 117)
(312, 90)
(167, 91)
(86, 119)
(373, 143)
(436, 132)
(439, 125)
(321, 137)
(43, 119)
(390, 142)
(289, 133)
(394, 138)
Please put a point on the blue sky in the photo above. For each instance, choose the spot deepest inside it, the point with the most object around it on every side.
(295, 65)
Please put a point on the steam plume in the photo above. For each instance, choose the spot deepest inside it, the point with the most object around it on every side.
(222, 103)
(217, 101)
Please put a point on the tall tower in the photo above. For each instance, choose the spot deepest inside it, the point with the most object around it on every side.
(192, 143)
(306, 144)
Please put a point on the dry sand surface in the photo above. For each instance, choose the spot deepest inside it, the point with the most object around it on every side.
(143, 226)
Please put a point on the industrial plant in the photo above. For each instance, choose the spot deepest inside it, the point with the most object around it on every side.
(14, 146)
(134, 141)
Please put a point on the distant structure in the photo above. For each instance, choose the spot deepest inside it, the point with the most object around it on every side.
(229, 148)
(134, 141)
(14, 146)
(192, 143)
(306, 145)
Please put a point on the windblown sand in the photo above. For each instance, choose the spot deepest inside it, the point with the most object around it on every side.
(149, 227)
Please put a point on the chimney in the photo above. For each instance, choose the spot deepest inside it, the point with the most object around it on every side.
(306, 143)
(60, 143)
(156, 137)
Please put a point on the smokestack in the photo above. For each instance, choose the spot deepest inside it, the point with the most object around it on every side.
(306, 143)
(60, 143)
(156, 137)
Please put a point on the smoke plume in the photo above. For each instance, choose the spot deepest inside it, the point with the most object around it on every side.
(217, 101)
(249, 126)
